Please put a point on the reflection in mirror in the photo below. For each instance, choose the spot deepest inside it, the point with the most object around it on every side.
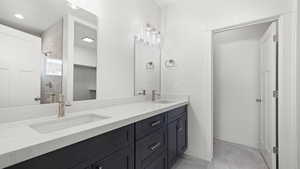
(147, 62)
(51, 79)
(33, 48)
(85, 62)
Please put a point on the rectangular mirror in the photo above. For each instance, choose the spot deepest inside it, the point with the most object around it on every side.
(147, 53)
(36, 61)
(85, 62)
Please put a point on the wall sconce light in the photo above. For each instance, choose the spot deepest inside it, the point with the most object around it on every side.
(170, 63)
(150, 66)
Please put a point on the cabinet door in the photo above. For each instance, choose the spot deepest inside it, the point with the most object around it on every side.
(159, 163)
(172, 143)
(181, 135)
(83, 166)
(150, 147)
(119, 160)
(97, 147)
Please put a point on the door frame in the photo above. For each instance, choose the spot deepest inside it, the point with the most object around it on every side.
(275, 19)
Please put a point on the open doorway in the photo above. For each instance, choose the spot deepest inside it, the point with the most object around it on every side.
(245, 104)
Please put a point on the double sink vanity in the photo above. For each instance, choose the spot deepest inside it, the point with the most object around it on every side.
(139, 135)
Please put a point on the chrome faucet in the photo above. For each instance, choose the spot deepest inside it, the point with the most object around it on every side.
(154, 95)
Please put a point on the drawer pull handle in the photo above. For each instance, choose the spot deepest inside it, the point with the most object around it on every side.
(180, 129)
(155, 123)
(155, 146)
(99, 167)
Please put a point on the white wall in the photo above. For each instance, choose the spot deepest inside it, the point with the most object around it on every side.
(297, 4)
(237, 85)
(85, 56)
(187, 39)
(192, 76)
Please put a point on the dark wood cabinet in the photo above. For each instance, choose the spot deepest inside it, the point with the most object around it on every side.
(150, 125)
(154, 143)
(172, 143)
(177, 135)
(81, 154)
(83, 166)
(150, 147)
(160, 162)
(181, 135)
(123, 159)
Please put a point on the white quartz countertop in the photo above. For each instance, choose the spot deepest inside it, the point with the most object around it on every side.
(19, 142)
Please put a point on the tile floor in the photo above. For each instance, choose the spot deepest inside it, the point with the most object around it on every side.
(227, 156)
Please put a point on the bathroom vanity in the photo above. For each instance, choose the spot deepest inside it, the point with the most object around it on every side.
(154, 140)
(56, 71)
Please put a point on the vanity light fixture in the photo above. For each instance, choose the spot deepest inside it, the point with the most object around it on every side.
(149, 35)
(19, 16)
(88, 40)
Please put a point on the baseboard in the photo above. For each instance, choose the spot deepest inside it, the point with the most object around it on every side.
(236, 144)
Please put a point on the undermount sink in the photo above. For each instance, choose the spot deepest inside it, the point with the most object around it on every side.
(164, 101)
(64, 123)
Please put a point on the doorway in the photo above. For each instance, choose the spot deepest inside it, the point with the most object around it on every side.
(245, 87)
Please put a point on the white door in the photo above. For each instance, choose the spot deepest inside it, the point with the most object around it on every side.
(20, 68)
(268, 85)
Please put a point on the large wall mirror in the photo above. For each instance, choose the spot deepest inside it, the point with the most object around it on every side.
(46, 46)
(147, 60)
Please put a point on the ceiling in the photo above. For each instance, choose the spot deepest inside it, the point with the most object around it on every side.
(38, 14)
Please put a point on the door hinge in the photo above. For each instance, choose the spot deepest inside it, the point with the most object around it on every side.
(275, 38)
(275, 94)
(275, 150)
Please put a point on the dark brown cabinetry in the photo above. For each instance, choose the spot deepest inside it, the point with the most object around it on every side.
(154, 143)
(84, 154)
(120, 160)
(177, 134)
(151, 143)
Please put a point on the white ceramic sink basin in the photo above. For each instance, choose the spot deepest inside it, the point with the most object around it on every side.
(64, 123)
(164, 101)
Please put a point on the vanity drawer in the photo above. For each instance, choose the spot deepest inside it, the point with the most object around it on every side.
(150, 146)
(123, 159)
(157, 162)
(176, 113)
(146, 127)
